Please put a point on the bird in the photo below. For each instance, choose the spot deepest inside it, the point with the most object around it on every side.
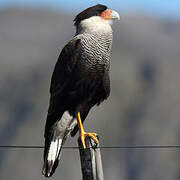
(80, 80)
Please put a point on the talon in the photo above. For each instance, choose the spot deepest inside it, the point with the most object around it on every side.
(93, 136)
(83, 134)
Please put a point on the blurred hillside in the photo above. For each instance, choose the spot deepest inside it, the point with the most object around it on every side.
(143, 108)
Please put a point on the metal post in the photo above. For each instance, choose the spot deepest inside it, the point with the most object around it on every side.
(91, 164)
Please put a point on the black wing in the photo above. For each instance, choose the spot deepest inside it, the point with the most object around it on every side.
(64, 66)
(60, 81)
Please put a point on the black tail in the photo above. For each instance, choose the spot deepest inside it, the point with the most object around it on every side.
(51, 156)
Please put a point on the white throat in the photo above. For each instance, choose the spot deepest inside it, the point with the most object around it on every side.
(95, 24)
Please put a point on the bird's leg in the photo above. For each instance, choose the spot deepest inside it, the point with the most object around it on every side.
(83, 134)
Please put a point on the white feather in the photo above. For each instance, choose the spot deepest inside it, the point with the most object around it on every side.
(95, 24)
(54, 149)
(62, 127)
(65, 125)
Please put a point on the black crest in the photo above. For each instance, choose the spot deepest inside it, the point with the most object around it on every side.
(89, 12)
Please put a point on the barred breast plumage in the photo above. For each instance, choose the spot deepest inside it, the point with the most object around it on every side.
(95, 50)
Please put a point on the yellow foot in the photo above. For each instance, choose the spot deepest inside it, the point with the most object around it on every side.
(83, 135)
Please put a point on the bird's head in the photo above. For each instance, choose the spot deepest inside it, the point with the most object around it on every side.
(95, 18)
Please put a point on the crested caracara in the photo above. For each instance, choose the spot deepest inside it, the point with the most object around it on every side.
(80, 80)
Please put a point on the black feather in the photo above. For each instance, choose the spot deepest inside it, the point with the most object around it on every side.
(89, 12)
(61, 84)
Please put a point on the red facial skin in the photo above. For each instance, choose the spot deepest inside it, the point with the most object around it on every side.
(106, 15)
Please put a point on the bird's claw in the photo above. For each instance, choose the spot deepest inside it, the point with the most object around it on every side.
(93, 136)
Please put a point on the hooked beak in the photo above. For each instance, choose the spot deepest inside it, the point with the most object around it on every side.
(115, 15)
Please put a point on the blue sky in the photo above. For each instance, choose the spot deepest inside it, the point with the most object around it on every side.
(167, 8)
